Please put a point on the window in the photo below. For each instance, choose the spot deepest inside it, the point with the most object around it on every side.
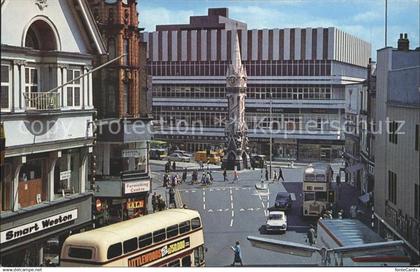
(145, 240)
(417, 135)
(195, 223)
(114, 250)
(126, 48)
(31, 80)
(186, 261)
(73, 89)
(198, 256)
(125, 99)
(159, 235)
(172, 231)
(309, 196)
(112, 49)
(416, 201)
(80, 253)
(176, 263)
(130, 245)
(5, 86)
(393, 128)
(392, 187)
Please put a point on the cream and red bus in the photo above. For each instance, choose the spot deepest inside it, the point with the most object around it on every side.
(168, 238)
(317, 189)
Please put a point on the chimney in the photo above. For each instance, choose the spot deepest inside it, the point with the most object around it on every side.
(403, 42)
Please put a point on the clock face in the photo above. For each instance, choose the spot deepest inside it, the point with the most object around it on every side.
(232, 80)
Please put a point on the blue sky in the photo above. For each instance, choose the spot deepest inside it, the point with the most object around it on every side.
(363, 18)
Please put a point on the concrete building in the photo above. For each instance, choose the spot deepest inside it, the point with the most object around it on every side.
(45, 190)
(397, 157)
(122, 168)
(305, 70)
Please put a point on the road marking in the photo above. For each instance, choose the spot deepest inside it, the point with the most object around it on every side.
(186, 191)
(233, 213)
(218, 189)
(211, 190)
(226, 210)
(193, 191)
(292, 195)
(257, 209)
(268, 204)
(231, 222)
(231, 197)
(250, 209)
(266, 213)
(241, 210)
(204, 206)
(219, 210)
(210, 210)
(236, 189)
(231, 205)
(262, 203)
(260, 197)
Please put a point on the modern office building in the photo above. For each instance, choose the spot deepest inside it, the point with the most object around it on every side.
(121, 168)
(300, 73)
(397, 157)
(45, 190)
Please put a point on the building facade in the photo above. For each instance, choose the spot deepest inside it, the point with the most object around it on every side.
(397, 157)
(121, 166)
(45, 190)
(305, 70)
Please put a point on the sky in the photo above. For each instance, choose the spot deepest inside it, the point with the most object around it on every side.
(362, 18)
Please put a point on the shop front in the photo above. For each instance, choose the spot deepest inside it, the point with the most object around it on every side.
(34, 237)
(318, 150)
(127, 200)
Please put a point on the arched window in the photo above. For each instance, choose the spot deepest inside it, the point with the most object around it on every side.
(40, 36)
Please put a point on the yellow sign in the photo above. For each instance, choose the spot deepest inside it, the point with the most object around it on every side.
(135, 204)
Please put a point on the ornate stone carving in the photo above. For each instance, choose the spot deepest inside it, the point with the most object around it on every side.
(41, 4)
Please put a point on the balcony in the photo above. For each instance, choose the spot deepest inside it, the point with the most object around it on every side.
(42, 101)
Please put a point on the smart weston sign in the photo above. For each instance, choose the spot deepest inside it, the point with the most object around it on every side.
(37, 226)
(159, 253)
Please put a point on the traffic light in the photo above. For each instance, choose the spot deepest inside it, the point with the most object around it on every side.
(331, 196)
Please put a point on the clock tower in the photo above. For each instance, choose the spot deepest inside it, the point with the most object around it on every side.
(236, 145)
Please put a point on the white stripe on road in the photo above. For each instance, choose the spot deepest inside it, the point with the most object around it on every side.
(262, 203)
(241, 210)
(233, 213)
(231, 222)
(231, 198)
(204, 206)
(231, 205)
(210, 210)
(219, 210)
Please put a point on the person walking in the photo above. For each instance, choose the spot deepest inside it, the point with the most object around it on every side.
(311, 235)
(280, 174)
(266, 174)
(275, 175)
(225, 175)
(172, 198)
(235, 176)
(184, 175)
(237, 258)
(194, 177)
(173, 166)
(154, 202)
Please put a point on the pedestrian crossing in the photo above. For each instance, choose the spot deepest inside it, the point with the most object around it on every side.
(241, 210)
(216, 189)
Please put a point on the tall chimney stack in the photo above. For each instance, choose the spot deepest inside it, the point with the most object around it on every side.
(403, 42)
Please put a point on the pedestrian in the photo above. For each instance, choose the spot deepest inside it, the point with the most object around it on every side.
(235, 176)
(173, 166)
(237, 258)
(338, 180)
(275, 175)
(266, 174)
(154, 201)
(225, 175)
(184, 175)
(172, 197)
(159, 203)
(210, 176)
(167, 166)
(311, 235)
(184, 206)
(194, 177)
(280, 174)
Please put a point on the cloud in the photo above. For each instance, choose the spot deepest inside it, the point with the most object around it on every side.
(368, 16)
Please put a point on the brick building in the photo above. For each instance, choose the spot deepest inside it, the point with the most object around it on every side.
(121, 153)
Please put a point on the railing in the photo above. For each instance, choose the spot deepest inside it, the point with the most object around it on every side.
(42, 101)
(406, 226)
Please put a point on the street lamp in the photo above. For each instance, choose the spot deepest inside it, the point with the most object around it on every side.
(271, 132)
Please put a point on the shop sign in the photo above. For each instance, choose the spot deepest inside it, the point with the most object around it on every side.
(37, 226)
(136, 187)
(159, 253)
(65, 175)
(135, 204)
(132, 153)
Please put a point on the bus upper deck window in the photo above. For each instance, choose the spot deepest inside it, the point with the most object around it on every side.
(172, 231)
(184, 227)
(145, 240)
(195, 223)
(159, 235)
(130, 245)
(114, 250)
(80, 253)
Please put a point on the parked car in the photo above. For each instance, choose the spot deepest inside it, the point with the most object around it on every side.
(257, 161)
(276, 221)
(178, 157)
(183, 153)
(283, 201)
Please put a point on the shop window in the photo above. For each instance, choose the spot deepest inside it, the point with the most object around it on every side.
(73, 89)
(172, 231)
(5, 86)
(114, 250)
(130, 245)
(186, 261)
(6, 187)
(159, 235)
(66, 174)
(32, 188)
(80, 253)
(145, 240)
(195, 223)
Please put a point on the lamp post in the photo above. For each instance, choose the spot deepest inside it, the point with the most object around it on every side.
(271, 132)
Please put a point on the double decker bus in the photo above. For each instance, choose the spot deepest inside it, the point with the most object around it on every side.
(171, 238)
(317, 189)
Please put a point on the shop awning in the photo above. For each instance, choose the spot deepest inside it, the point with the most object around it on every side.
(353, 168)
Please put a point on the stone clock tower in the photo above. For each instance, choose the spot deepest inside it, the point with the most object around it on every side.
(236, 145)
